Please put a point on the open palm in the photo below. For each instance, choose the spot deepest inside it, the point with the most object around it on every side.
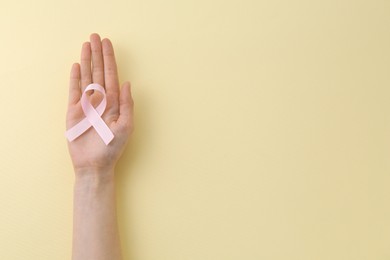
(98, 65)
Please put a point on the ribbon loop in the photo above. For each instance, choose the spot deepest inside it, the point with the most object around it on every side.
(92, 117)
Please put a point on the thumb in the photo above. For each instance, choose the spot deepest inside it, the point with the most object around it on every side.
(126, 105)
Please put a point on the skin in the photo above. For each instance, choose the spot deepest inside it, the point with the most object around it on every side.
(95, 231)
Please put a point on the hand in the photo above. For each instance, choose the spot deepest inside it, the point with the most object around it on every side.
(88, 152)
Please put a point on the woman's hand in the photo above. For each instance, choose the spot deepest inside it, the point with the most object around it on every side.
(88, 151)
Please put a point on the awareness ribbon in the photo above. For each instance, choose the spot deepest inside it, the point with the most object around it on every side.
(92, 117)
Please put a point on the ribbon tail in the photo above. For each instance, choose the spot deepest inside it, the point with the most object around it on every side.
(78, 129)
(103, 130)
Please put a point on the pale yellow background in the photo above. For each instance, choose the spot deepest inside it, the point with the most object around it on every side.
(262, 127)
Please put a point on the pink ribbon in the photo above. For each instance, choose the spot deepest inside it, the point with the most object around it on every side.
(92, 117)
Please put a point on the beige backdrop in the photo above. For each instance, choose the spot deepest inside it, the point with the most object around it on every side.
(262, 127)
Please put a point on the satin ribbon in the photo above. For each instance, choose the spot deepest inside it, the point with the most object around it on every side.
(92, 117)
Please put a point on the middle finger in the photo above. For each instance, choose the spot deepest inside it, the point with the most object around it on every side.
(97, 60)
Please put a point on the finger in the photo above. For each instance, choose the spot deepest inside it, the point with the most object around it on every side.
(74, 84)
(110, 69)
(97, 60)
(126, 109)
(86, 77)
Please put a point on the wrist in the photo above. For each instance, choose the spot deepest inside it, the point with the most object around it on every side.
(94, 177)
(93, 171)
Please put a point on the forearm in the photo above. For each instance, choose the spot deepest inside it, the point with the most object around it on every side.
(95, 231)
